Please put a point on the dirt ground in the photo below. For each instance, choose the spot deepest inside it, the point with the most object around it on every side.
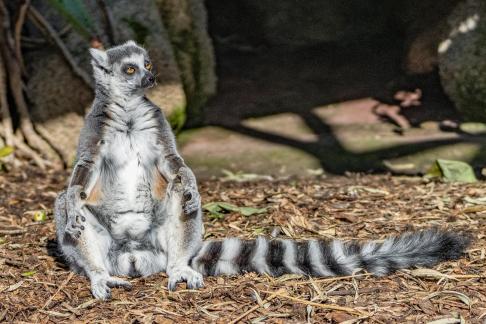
(36, 287)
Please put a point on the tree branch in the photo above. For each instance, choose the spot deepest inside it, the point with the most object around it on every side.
(53, 35)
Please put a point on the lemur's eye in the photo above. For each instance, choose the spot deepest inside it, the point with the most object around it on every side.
(130, 70)
(148, 66)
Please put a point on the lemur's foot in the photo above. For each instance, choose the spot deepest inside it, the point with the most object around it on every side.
(101, 287)
(75, 226)
(191, 201)
(75, 220)
(193, 278)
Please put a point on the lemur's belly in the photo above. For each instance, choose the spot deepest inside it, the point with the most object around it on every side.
(130, 189)
(134, 204)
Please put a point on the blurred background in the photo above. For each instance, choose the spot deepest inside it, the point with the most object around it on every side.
(266, 87)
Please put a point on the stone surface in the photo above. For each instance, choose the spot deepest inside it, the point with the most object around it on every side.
(186, 23)
(55, 92)
(462, 64)
(288, 22)
(355, 140)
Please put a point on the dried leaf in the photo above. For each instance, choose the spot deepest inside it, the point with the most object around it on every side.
(15, 286)
(450, 320)
(217, 209)
(428, 273)
(475, 201)
(243, 177)
(466, 300)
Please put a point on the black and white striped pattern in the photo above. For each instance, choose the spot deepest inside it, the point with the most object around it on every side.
(321, 258)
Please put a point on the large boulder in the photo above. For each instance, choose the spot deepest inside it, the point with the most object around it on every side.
(186, 23)
(462, 59)
(303, 23)
(59, 98)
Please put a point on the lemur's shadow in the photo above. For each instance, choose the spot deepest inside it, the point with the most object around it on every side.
(53, 251)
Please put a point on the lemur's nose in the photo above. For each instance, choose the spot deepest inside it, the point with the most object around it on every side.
(148, 80)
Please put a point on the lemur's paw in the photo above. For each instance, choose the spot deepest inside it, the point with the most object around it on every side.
(75, 226)
(192, 201)
(193, 278)
(113, 282)
(101, 288)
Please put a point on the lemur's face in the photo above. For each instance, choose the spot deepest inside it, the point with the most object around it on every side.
(128, 67)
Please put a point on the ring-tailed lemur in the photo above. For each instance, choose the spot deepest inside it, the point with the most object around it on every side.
(132, 207)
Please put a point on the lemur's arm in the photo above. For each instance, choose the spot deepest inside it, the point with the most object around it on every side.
(85, 174)
(173, 168)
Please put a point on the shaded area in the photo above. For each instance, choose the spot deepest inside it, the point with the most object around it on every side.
(260, 79)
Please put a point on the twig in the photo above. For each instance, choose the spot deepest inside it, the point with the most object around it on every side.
(64, 283)
(53, 35)
(13, 232)
(251, 310)
(108, 21)
(53, 143)
(353, 292)
(18, 30)
(324, 306)
(23, 148)
(15, 81)
(4, 107)
(333, 279)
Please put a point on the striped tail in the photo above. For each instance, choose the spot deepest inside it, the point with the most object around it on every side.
(321, 258)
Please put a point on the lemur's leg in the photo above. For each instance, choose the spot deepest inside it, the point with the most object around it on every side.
(83, 241)
(88, 250)
(181, 233)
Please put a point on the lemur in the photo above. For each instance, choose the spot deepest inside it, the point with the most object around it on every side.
(132, 206)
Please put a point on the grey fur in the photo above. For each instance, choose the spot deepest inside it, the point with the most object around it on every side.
(110, 221)
(113, 220)
(334, 258)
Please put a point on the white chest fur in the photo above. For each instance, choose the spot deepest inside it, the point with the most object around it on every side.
(131, 148)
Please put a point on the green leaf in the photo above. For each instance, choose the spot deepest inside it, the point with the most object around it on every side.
(76, 14)
(214, 210)
(456, 171)
(6, 151)
(39, 216)
(29, 273)
(473, 128)
(217, 209)
(248, 211)
(259, 231)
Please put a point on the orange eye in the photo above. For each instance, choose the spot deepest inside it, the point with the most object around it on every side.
(130, 70)
(148, 66)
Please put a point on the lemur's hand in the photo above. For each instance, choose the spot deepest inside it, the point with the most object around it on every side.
(191, 200)
(75, 197)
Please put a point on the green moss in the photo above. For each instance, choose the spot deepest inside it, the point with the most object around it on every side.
(141, 32)
(177, 118)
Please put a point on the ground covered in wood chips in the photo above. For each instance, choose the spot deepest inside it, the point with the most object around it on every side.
(36, 287)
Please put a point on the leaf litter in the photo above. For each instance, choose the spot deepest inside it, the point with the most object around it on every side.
(36, 287)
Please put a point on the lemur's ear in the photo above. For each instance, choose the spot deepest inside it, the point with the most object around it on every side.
(99, 57)
(130, 43)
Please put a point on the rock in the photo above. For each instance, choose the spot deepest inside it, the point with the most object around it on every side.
(55, 92)
(461, 60)
(146, 27)
(423, 32)
(186, 23)
(288, 22)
